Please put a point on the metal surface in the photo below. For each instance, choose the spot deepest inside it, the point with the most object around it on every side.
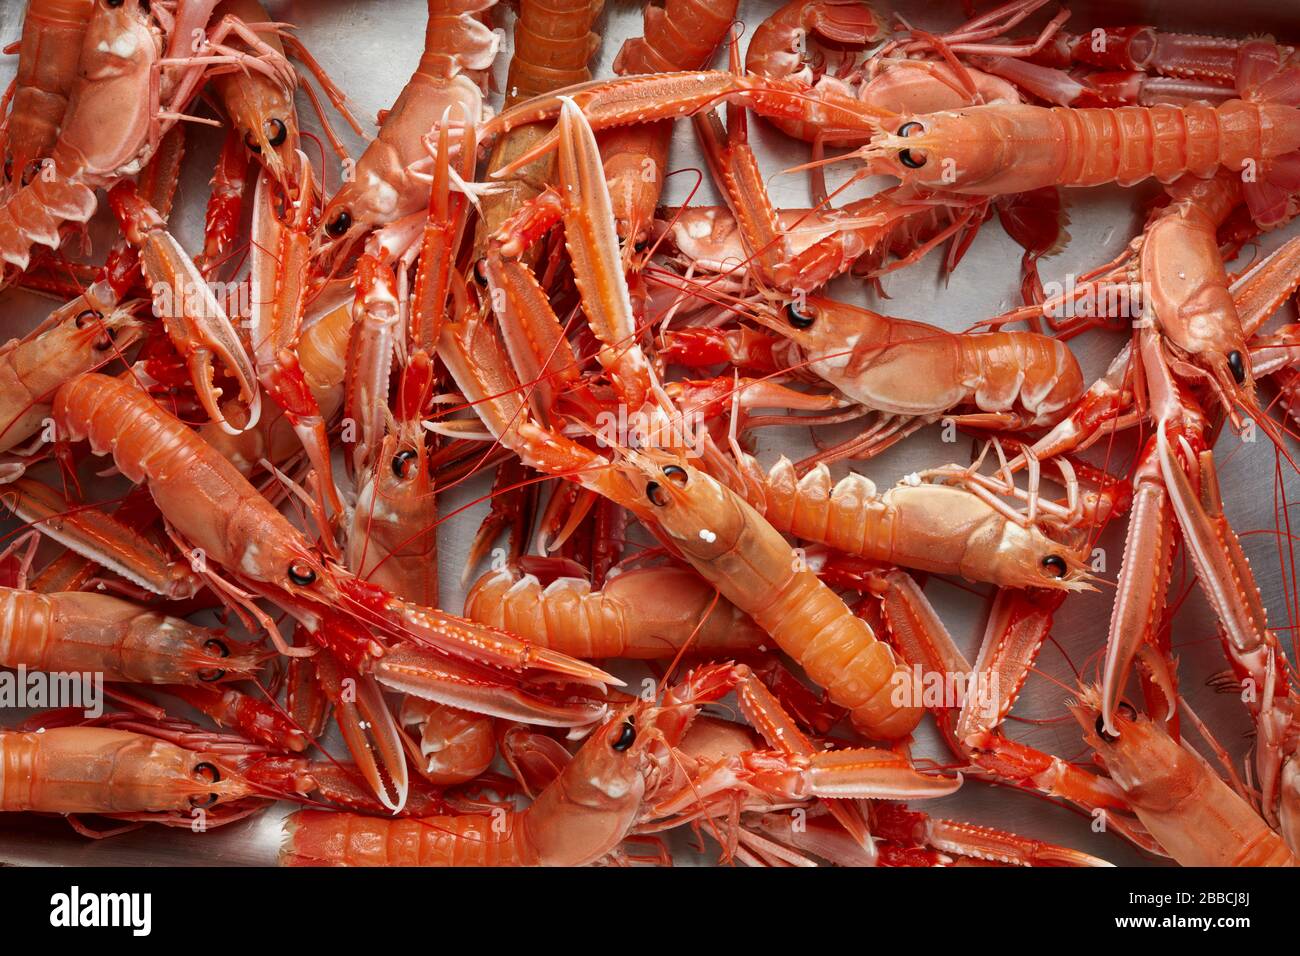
(369, 49)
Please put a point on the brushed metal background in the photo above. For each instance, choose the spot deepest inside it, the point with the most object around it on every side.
(370, 48)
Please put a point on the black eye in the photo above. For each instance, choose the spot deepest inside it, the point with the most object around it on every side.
(402, 463)
(1100, 727)
(676, 474)
(86, 316)
(1055, 565)
(626, 737)
(800, 320)
(301, 574)
(104, 342)
(251, 143)
(276, 131)
(655, 492)
(114, 4)
(339, 224)
(219, 648)
(1237, 367)
(906, 156)
(908, 159)
(208, 773)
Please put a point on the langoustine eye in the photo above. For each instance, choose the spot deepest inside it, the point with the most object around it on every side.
(910, 158)
(1237, 367)
(655, 492)
(626, 737)
(276, 131)
(401, 463)
(205, 772)
(301, 574)
(340, 224)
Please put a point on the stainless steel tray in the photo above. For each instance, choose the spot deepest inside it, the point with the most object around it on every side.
(371, 47)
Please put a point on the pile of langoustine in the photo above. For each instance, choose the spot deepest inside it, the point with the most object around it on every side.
(487, 291)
